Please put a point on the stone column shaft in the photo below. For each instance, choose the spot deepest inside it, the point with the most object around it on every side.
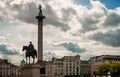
(40, 40)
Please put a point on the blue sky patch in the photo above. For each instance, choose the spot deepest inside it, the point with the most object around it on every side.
(111, 4)
(84, 3)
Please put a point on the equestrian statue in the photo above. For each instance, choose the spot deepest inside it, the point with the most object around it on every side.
(30, 52)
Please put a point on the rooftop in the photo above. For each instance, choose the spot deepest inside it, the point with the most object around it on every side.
(84, 62)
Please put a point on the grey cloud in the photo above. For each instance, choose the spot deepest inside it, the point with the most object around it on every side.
(72, 47)
(67, 13)
(27, 13)
(6, 49)
(88, 23)
(52, 18)
(24, 12)
(1, 19)
(111, 38)
(112, 20)
(62, 26)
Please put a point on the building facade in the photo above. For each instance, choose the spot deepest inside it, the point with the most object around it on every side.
(65, 66)
(85, 69)
(7, 69)
(71, 65)
(49, 69)
(57, 67)
(97, 60)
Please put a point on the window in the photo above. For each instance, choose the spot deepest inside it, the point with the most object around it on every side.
(42, 70)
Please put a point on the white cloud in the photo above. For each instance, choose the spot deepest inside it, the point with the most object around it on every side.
(65, 22)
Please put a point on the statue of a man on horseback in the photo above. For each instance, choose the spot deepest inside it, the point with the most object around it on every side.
(30, 52)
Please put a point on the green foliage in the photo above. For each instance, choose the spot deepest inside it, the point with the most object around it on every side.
(103, 68)
(112, 67)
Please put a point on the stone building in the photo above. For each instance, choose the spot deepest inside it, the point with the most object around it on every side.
(97, 60)
(49, 69)
(65, 66)
(54, 68)
(85, 69)
(8, 69)
(71, 65)
(57, 67)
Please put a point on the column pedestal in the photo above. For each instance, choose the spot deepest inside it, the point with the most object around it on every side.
(30, 70)
(42, 68)
(34, 70)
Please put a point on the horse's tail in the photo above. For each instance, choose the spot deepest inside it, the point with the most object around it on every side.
(36, 53)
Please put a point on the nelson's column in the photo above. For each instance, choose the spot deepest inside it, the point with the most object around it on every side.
(40, 18)
(40, 61)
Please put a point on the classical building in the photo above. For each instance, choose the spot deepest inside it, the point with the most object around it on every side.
(8, 69)
(65, 66)
(85, 69)
(49, 69)
(97, 60)
(57, 67)
(71, 65)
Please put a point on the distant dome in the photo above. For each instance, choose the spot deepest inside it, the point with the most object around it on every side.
(23, 62)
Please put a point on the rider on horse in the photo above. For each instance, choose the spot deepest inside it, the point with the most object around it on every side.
(31, 46)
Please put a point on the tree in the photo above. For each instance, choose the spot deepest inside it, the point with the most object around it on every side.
(112, 67)
(115, 69)
(103, 68)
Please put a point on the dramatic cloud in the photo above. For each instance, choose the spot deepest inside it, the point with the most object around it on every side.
(110, 38)
(88, 23)
(53, 19)
(28, 11)
(7, 50)
(112, 20)
(24, 12)
(83, 28)
(74, 47)
(11, 53)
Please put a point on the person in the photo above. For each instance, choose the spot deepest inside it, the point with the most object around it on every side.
(31, 46)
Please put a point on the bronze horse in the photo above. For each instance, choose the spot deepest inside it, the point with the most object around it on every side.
(30, 53)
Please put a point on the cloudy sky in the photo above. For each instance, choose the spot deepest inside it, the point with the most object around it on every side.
(84, 27)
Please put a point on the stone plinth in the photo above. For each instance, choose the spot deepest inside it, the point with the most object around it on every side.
(34, 70)
(42, 68)
(30, 70)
